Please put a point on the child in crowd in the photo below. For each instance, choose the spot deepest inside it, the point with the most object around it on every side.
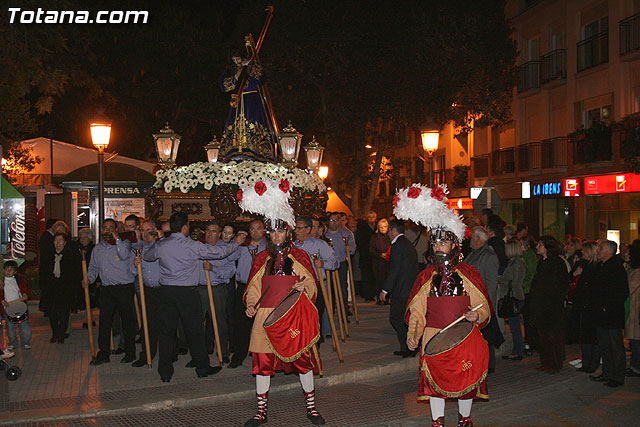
(15, 289)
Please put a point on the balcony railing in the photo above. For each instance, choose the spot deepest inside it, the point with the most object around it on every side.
(529, 76)
(554, 153)
(503, 161)
(528, 157)
(480, 166)
(593, 51)
(554, 66)
(630, 34)
(593, 145)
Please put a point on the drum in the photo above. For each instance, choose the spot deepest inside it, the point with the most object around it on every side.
(456, 361)
(292, 327)
(17, 312)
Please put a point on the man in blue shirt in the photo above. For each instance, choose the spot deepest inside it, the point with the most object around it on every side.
(220, 272)
(337, 235)
(322, 256)
(151, 280)
(111, 260)
(179, 259)
(242, 323)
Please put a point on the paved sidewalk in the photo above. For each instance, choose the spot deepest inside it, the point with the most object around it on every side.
(57, 382)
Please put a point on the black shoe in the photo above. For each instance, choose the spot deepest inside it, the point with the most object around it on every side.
(85, 325)
(512, 357)
(210, 371)
(399, 353)
(599, 378)
(631, 373)
(165, 380)
(255, 423)
(225, 360)
(118, 351)
(191, 364)
(613, 383)
(53, 339)
(316, 420)
(66, 335)
(234, 364)
(410, 354)
(139, 363)
(99, 361)
(60, 340)
(491, 370)
(128, 359)
(182, 351)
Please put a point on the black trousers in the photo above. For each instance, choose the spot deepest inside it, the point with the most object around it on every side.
(219, 293)
(230, 303)
(120, 298)
(396, 318)
(181, 303)
(614, 360)
(152, 299)
(549, 346)
(241, 326)
(368, 290)
(59, 320)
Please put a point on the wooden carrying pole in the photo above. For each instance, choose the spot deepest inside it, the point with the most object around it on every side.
(145, 324)
(330, 281)
(87, 302)
(353, 289)
(212, 308)
(459, 319)
(334, 334)
(340, 301)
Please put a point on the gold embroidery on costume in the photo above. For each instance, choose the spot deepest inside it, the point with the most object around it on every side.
(229, 84)
(294, 332)
(466, 365)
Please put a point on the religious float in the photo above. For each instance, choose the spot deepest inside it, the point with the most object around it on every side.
(253, 150)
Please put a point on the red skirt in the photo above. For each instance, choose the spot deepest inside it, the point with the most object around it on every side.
(268, 364)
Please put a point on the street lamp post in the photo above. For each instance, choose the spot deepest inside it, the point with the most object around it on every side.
(430, 145)
(100, 135)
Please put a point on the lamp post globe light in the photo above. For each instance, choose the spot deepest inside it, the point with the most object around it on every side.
(100, 135)
(167, 143)
(430, 145)
(323, 172)
(213, 149)
(314, 153)
(289, 143)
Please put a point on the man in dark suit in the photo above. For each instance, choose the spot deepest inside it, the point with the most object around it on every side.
(45, 257)
(403, 272)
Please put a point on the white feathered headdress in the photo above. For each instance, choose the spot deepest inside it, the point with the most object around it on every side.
(269, 199)
(427, 207)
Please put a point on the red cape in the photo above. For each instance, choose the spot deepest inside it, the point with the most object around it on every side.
(297, 254)
(464, 270)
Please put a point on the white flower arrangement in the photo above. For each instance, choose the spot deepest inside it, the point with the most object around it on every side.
(205, 175)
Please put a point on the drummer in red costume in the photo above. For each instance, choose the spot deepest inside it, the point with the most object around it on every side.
(443, 292)
(277, 272)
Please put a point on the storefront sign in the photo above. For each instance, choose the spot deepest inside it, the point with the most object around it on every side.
(460, 203)
(125, 190)
(13, 211)
(616, 183)
(567, 188)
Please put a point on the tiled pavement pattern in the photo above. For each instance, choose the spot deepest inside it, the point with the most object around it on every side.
(519, 396)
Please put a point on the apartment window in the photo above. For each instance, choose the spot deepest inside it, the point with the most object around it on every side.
(596, 115)
(593, 50)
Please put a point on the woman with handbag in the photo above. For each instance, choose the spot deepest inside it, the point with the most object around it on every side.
(512, 297)
(549, 290)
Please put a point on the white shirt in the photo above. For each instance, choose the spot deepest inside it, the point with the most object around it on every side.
(11, 289)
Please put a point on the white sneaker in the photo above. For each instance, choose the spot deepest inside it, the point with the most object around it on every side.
(27, 346)
(6, 354)
(11, 347)
(578, 366)
(575, 362)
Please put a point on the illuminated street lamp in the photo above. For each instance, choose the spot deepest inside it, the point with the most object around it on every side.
(100, 135)
(213, 149)
(167, 143)
(323, 172)
(289, 146)
(314, 155)
(430, 145)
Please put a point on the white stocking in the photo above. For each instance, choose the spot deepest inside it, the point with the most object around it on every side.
(262, 383)
(464, 407)
(437, 407)
(306, 380)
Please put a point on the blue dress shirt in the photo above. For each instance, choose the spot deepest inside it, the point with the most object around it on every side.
(245, 261)
(313, 246)
(179, 258)
(150, 270)
(223, 269)
(112, 263)
(338, 244)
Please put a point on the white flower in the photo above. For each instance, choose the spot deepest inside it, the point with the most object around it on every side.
(208, 184)
(168, 187)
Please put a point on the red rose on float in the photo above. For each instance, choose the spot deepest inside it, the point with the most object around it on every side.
(467, 232)
(260, 188)
(396, 199)
(284, 185)
(239, 195)
(414, 192)
(438, 193)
